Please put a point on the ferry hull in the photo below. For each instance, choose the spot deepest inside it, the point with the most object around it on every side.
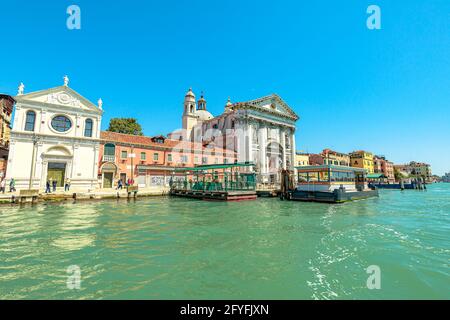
(338, 196)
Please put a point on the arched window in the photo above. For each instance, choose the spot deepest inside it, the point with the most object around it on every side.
(110, 149)
(88, 125)
(30, 121)
(109, 154)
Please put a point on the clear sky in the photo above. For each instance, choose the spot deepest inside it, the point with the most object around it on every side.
(385, 91)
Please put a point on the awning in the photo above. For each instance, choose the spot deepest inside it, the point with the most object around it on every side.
(217, 166)
(156, 168)
(376, 176)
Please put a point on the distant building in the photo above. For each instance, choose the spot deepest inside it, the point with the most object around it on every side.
(316, 159)
(418, 169)
(150, 161)
(362, 159)
(6, 108)
(335, 158)
(446, 178)
(381, 165)
(301, 159)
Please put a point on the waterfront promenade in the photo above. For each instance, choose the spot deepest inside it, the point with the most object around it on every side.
(98, 194)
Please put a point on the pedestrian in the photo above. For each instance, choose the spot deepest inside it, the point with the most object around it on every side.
(12, 185)
(67, 185)
(54, 184)
(3, 186)
(47, 187)
(119, 184)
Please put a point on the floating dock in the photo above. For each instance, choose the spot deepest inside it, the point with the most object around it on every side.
(220, 182)
(215, 195)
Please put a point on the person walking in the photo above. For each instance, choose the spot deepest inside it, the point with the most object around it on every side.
(47, 187)
(67, 185)
(12, 185)
(3, 186)
(54, 184)
(119, 184)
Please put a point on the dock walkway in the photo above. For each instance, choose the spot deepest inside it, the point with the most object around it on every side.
(59, 196)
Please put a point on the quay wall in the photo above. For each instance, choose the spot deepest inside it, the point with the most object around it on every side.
(14, 198)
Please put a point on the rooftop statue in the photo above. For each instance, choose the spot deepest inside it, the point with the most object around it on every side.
(20, 89)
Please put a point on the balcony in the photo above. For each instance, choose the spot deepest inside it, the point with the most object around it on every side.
(107, 158)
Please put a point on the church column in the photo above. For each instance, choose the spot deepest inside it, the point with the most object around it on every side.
(41, 122)
(283, 144)
(241, 141)
(17, 123)
(262, 148)
(78, 125)
(99, 124)
(96, 164)
(39, 170)
(249, 138)
(293, 149)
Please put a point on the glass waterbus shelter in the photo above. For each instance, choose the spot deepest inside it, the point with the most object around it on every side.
(218, 177)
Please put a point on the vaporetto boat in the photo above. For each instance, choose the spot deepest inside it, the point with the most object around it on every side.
(333, 184)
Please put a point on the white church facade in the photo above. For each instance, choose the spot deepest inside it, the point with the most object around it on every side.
(261, 131)
(55, 135)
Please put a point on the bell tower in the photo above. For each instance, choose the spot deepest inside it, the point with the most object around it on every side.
(201, 103)
(189, 114)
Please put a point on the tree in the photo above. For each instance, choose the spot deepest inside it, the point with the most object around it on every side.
(398, 175)
(125, 125)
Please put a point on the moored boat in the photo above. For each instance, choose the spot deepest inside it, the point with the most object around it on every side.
(332, 184)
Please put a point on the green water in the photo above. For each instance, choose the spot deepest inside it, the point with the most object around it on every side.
(165, 248)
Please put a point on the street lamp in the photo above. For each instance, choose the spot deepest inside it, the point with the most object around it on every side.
(35, 140)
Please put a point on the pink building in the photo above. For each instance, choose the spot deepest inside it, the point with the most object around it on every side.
(381, 165)
(150, 161)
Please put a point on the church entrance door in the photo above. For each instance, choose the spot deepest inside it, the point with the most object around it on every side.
(108, 180)
(56, 172)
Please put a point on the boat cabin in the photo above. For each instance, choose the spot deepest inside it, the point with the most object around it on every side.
(327, 178)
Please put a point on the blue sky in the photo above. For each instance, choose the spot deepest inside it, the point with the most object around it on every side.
(386, 91)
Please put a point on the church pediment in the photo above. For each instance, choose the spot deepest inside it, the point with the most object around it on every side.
(62, 96)
(273, 104)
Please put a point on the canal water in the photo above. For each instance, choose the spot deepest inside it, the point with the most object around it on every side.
(166, 248)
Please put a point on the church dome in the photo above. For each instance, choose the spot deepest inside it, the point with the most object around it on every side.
(204, 115)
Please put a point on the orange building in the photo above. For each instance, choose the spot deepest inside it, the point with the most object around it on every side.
(150, 161)
(6, 108)
(381, 165)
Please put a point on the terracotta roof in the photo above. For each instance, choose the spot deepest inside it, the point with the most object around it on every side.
(109, 136)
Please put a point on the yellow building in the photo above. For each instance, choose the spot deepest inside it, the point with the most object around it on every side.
(335, 158)
(362, 159)
(301, 159)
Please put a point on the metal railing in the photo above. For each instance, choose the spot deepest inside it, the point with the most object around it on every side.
(107, 158)
(214, 186)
